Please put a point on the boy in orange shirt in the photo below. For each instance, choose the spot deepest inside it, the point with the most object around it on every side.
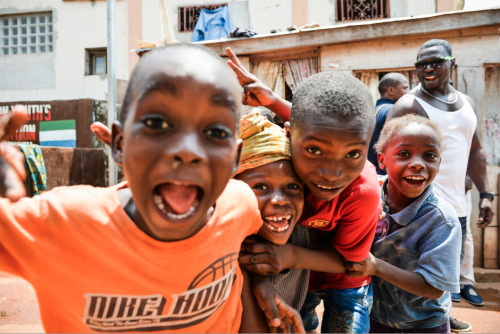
(159, 251)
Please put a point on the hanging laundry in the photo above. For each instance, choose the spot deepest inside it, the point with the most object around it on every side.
(35, 167)
(240, 32)
(212, 24)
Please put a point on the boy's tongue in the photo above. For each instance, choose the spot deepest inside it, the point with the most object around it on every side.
(179, 197)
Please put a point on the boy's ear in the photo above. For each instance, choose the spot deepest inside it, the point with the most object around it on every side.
(380, 158)
(239, 142)
(117, 142)
(288, 130)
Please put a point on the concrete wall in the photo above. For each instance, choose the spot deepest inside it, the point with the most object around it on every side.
(412, 8)
(59, 75)
(321, 11)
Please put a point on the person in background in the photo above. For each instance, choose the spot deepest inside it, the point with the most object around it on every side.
(467, 279)
(454, 112)
(416, 252)
(391, 87)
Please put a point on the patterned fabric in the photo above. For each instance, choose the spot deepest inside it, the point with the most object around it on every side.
(292, 284)
(263, 142)
(35, 167)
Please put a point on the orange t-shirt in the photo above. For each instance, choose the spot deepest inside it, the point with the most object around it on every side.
(93, 269)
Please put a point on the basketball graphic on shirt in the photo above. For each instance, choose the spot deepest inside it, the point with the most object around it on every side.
(208, 291)
(215, 271)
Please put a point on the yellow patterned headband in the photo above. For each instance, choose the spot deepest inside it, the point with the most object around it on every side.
(263, 142)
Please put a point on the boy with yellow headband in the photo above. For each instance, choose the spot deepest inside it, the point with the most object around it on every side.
(266, 166)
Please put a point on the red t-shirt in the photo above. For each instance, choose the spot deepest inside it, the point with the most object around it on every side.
(351, 217)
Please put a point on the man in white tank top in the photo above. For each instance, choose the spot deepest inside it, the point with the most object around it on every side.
(436, 99)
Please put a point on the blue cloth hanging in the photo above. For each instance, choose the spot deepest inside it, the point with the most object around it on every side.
(212, 24)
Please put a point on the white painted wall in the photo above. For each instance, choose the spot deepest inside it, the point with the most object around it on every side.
(321, 11)
(266, 15)
(59, 75)
(409, 8)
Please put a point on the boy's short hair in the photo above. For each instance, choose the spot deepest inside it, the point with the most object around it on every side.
(334, 95)
(395, 125)
(437, 42)
(168, 51)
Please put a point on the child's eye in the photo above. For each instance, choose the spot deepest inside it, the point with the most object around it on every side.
(218, 133)
(431, 155)
(313, 150)
(403, 154)
(155, 123)
(294, 186)
(353, 155)
(260, 186)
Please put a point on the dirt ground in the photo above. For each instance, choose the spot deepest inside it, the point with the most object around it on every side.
(19, 311)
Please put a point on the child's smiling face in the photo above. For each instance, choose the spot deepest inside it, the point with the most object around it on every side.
(328, 155)
(178, 144)
(280, 194)
(411, 159)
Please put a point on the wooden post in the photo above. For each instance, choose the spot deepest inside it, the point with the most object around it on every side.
(491, 251)
(166, 30)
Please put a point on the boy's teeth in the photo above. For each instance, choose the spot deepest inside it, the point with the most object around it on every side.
(159, 203)
(415, 178)
(323, 187)
(277, 229)
(278, 218)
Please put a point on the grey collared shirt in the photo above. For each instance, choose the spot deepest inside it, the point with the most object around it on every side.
(425, 238)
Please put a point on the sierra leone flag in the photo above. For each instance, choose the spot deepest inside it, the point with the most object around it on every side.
(58, 133)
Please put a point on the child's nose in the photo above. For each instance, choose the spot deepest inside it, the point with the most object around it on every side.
(187, 150)
(279, 198)
(330, 172)
(417, 163)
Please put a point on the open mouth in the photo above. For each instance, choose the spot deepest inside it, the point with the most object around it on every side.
(277, 223)
(177, 200)
(430, 77)
(414, 179)
(327, 189)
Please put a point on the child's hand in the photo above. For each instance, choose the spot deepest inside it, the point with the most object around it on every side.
(255, 93)
(362, 268)
(278, 313)
(262, 257)
(102, 132)
(12, 172)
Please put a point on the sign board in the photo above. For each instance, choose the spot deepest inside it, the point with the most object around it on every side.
(62, 123)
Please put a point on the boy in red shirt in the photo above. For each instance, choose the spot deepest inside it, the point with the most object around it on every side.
(331, 122)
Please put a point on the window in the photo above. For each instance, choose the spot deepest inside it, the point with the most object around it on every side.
(95, 61)
(28, 33)
(356, 10)
(188, 16)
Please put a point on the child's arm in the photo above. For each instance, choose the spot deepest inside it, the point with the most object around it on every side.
(407, 280)
(260, 301)
(12, 170)
(265, 258)
(255, 93)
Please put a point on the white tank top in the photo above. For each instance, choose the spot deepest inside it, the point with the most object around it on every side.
(457, 128)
